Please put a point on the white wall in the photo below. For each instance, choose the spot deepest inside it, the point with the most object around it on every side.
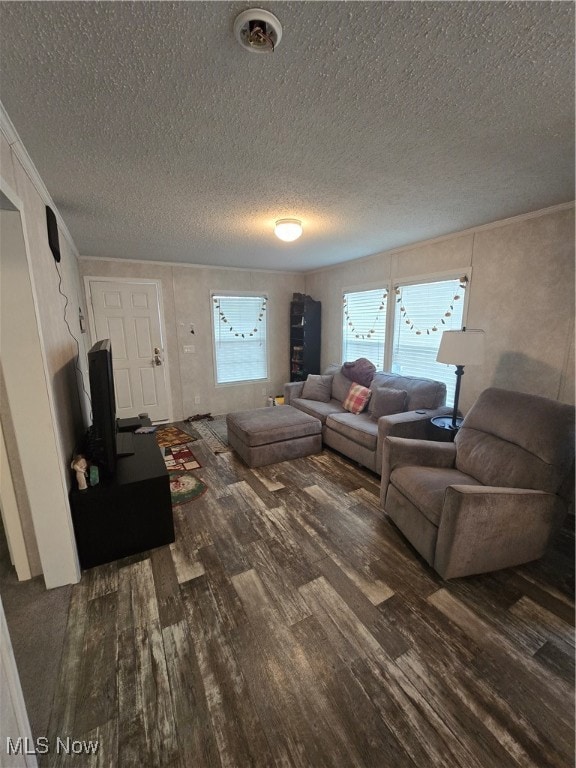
(186, 299)
(63, 424)
(521, 293)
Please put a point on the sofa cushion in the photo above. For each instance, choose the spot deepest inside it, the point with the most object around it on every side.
(317, 388)
(425, 487)
(517, 440)
(318, 409)
(340, 386)
(360, 371)
(385, 401)
(537, 424)
(356, 399)
(359, 428)
(423, 394)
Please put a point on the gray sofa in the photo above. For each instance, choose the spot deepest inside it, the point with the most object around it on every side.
(361, 436)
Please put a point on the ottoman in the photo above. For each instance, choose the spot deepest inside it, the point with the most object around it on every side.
(268, 435)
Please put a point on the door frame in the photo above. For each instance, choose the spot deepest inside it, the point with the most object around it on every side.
(52, 521)
(134, 281)
(11, 517)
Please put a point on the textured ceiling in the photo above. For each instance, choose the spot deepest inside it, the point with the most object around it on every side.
(379, 124)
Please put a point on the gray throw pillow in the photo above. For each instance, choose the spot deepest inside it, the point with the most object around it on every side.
(385, 401)
(340, 386)
(317, 388)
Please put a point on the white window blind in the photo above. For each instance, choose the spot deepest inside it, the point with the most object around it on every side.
(423, 312)
(364, 325)
(240, 349)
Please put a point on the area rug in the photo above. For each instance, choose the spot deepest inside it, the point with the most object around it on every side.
(168, 436)
(180, 457)
(214, 433)
(184, 487)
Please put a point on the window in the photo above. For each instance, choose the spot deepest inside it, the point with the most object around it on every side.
(240, 349)
(364, 325)
(422, 313)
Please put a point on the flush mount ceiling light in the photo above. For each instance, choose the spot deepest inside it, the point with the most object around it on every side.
(258, 31)
(288, 229)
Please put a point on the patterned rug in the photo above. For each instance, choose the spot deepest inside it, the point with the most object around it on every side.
(180, 457)
(214, 433)
(180, 462)
(184, 487)
(168, 436)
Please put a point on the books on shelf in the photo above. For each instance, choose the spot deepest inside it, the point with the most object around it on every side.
(297, 354)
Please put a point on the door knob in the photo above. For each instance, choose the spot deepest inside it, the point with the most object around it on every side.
(157, 360)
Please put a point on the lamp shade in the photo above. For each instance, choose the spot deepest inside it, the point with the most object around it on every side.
(461, 348)
(288, 229)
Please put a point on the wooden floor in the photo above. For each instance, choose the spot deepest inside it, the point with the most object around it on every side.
(291, 625)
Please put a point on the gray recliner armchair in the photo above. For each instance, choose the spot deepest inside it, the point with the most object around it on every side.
(494, 497)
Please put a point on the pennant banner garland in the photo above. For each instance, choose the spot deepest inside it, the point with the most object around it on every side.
(237, 331)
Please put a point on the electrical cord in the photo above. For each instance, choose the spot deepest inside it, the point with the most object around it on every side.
(77, 360)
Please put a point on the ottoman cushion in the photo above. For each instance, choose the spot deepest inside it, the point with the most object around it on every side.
(272, 425)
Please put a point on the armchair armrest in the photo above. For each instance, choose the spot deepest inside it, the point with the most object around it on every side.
(400, 451)
(410, 424)
(292, 390)
(484, 528)
(413, 424)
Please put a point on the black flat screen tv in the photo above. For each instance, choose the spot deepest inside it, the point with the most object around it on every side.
(103, 430)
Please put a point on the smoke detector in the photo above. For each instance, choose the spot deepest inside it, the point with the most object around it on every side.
(258, 31)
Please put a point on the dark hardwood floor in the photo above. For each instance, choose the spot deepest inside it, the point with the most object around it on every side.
(291, 625)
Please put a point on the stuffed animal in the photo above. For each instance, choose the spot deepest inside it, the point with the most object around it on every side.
(80, 466)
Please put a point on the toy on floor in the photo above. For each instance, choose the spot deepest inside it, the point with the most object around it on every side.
(200, 417)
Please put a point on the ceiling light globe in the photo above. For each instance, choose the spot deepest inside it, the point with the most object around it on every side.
(288, 229)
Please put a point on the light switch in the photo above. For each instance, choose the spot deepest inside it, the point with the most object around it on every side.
(189, 348)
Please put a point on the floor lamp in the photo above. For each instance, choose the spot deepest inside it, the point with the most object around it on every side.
(461, 348)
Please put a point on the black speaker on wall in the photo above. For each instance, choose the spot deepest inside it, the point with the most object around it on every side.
(53, 240)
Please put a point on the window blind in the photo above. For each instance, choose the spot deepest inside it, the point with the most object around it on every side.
(240, 348)
(423, 308)
(364, 325)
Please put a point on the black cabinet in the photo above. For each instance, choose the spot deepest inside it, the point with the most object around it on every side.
(305, 326)
(128, 515)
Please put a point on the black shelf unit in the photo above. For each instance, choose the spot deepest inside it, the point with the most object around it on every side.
(305, 327)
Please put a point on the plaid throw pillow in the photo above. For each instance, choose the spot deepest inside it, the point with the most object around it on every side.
(357, 398)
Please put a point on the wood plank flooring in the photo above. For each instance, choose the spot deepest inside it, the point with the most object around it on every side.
(290, 624)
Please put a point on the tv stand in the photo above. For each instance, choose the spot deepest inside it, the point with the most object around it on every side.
(125, 443)
(126, 515)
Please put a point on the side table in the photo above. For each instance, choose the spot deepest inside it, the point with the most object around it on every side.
(447, 431)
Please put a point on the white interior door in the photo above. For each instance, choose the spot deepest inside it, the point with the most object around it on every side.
(128, 313)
